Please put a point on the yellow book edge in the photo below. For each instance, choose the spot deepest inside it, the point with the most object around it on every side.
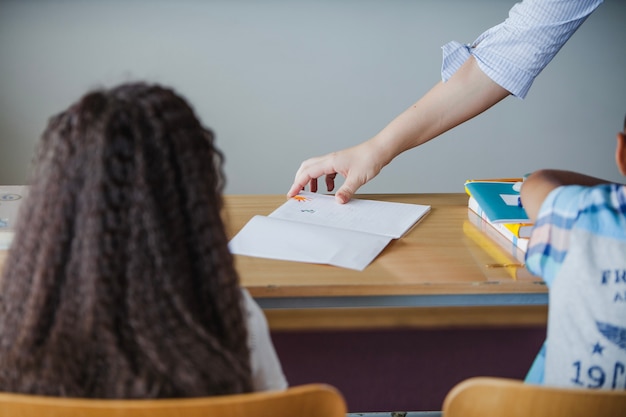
(500, 258)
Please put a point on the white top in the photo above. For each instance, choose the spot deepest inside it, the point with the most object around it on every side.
(578, 247)
(514, 52)
(267, 373)
(586, 344)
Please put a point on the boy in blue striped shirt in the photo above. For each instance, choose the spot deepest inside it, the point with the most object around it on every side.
(578, 246)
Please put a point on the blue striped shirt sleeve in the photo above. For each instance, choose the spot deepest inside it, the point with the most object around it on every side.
(600, 210)
(514, 52)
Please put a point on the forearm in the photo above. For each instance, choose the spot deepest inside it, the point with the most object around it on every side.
(466, 94)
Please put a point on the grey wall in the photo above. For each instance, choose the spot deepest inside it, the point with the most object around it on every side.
(281, 81)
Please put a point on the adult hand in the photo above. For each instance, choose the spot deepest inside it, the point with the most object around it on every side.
(358, 165)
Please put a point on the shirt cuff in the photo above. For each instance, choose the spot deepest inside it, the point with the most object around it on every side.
(454, 55)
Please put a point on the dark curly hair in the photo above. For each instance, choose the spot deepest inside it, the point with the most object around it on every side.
(119, 282)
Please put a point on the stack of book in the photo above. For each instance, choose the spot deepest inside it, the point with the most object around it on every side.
(495, 208)
(11, 196)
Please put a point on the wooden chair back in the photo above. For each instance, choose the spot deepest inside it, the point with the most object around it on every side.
(310, 400)
(500, 397)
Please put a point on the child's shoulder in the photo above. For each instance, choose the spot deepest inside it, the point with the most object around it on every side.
(573, 206)
(602, 210)
(609, 194)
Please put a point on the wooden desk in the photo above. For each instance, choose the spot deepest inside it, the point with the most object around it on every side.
(434, 276)
(424, 315)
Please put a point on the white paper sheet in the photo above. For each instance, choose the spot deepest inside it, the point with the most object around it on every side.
(314, 228)
(267, 237)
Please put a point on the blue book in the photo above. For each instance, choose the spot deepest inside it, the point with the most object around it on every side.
(499, 200)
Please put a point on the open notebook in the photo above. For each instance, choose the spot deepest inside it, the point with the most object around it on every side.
(314, 228)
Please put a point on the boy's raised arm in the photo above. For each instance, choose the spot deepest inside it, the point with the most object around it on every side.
(540, 183)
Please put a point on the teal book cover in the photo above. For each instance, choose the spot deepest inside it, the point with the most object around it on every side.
(499, 201)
